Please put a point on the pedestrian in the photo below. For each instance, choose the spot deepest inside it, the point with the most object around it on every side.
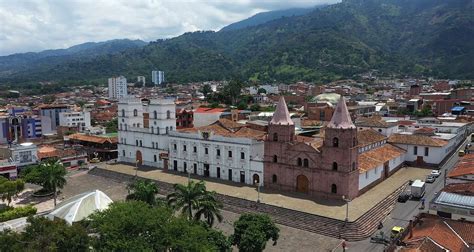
(423, 203)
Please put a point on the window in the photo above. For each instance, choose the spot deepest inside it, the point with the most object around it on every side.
(185, 167)
(194, 149)
(141, 143)
(206, 151)
(333, 188)
(415, 150)
(123, 153)
(354, 142)
(353, 166)
(167, 129)
(275, 159)
(123, 112)
(218, 151)
(300, 162)
(275, 137)
(335, 142)
(195, 168)
(380, 130)
(153, 145)
(184, 147)
(230, 154)
(135, 112)
(334, 166)
(136, 142)
(427, 151)
(157, 130)
(152, 130)
(274, 178)
(168, 114)
(154, 158)
(242, 155)
(155, 115)
(175, 147)
(305, 162)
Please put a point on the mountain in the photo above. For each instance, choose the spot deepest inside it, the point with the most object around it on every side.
(264, 17)
(412, 37)
(83, 51)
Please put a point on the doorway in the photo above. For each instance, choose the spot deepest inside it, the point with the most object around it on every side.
(242, 177)
(302, 184)
(230, 174)
(139, 157)
(218, 172)
(256, 179)
(206, 170)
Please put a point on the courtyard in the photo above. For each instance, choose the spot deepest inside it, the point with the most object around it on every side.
(327, 208)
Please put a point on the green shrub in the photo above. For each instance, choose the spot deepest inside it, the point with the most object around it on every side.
(17, 213)
(5, 208)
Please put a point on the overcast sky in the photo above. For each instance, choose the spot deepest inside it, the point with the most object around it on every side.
(35, 25)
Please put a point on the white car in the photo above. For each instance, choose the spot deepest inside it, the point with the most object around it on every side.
(435, 173)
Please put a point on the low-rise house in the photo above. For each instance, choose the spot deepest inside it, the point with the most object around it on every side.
(455, 201)
(463, 172)
(70, 158)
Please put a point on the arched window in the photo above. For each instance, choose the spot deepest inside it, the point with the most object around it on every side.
(123, 112)
(335, 142)
(305, 162)
(135, 112)
(123, 153)
(157, 130)
(167, 129)
(152, 130)
(155, 114)
(334, 166)
(275, 137)
(300, 163)
(275, 159)
(354, 142)
(168, 114)
(333, 188)
(274, 178)
(171, 128)
(353, 166)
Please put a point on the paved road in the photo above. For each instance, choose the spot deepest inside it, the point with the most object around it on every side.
(403, 212)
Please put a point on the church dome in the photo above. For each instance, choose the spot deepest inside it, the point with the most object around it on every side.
(332, 98)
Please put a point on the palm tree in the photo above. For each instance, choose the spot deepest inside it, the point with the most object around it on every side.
(187, 197)
(143, 190)
(209, 207)
(53, 176)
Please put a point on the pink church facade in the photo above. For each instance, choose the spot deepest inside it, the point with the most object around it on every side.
(321, 168)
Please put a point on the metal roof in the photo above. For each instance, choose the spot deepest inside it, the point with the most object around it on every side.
(457, 108)
(456, 200)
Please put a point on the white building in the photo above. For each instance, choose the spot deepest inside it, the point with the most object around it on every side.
(223, 150)
(141, 79)
(157, 77)
(81, 119)
(143, 130)
(49, 115)
(117, 87)
(269, 89)
(20, 154)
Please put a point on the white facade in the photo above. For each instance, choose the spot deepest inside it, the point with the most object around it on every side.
(227, 158)
(117, 87)
(368, 177)
(386, 131)
(81, 120)
(141, 79)
(157, 77)
(143, 128)
(268, 88)
(20, 154)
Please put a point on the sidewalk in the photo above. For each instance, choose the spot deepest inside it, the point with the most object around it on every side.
(331, 209)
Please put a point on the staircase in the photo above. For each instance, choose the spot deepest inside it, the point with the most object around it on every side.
(357, 230)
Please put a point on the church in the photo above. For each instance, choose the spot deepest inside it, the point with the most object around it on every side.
(341, 162)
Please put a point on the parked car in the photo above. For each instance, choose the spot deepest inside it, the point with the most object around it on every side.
(430, 179)
(461, 153)
(380, 238)
(396, 231)
(435, 173)
(403, 197)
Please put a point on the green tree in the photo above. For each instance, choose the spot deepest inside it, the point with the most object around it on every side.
(112, 126)
(43, 234)
(187, 197)
(50, 175)
(242, 105)
(48, 99)
(143, 190)
(206, 90)
(10, 188)
(255, 107)
(209, 207)
(252, 231)
(232, 91)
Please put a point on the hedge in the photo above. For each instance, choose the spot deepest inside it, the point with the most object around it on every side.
(17, 213)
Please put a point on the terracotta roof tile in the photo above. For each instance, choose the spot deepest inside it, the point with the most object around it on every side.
(369, 136)
(92, 138)
(375, 121)
(464, 167)
(460, 188)
(232, 130)
(371, 159)
(416, 140)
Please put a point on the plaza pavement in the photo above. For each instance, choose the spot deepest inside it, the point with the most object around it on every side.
(327, 208)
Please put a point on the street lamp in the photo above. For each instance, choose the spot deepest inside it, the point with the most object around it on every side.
(258, 190)
(136, 168)
(347, 209)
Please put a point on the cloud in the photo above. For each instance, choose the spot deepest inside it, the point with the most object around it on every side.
(36, 25)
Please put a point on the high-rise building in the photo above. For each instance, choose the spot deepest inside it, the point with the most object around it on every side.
(117, 87)
(157, 77)
(141, 79)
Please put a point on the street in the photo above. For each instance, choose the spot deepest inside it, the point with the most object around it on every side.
(403, 212)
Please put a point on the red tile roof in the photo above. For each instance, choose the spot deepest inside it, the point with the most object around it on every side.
(416, 140)
(209, 110)
(369, 136)
(228, 128)
(460, 188)
(93, 138)
(371, 159)
(464, 167)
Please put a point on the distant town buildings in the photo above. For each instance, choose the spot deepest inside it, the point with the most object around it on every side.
(157, 77)
(79, 119)
(50, 116)
(141, 79)
(117, 87)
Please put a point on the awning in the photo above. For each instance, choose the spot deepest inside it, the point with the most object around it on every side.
(457, 109)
